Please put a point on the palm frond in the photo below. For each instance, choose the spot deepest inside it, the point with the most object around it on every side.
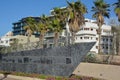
(101, 9)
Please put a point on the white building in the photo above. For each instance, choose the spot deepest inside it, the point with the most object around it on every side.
(5, 40)
(88, 33)
(9, 39)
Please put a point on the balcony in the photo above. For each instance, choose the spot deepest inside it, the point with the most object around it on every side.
(49, 35)
(83, 32)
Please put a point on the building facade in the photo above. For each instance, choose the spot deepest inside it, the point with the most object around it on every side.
(89, 33)
(5, 40)
(18, 27)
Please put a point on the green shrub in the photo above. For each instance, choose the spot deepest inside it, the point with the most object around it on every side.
(90, 57)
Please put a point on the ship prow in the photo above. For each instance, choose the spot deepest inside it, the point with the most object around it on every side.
(57, 61)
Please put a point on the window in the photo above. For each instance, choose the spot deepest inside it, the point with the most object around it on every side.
(2, 42)
(97, 31)
(106, 47)
(111, 40)
(103, 47)
(11, 39)
(96, 38)
(91, 29)
(86, 37)
(26, 60)
(19, 60)
(68, 61)
(106, 39)
(86, 28)
(103, 39)
(51, 45)
(6, 41)
(81, 29)
(13, 61)
(80, 37)
(96, 47)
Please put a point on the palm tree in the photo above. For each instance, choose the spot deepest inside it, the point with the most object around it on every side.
(101, 10)
(76, 17)
(29, 26)
(42, 28)
(57, 27)
(117, 9)
(58, 22)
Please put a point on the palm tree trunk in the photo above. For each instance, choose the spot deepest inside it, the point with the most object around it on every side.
(119, 16)
(28, 39)
(119, 48)
(56, 42)
(99, 40)
(114, 43)
(28, 33)
(41, 39)
(67, 38)
(67, 33)
(73, 37)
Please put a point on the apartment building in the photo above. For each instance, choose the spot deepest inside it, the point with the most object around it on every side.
(18, 27)
(89, 33)
(5, 40)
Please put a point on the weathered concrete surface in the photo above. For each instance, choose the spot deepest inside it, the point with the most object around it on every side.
(107, 72)
(58, 61)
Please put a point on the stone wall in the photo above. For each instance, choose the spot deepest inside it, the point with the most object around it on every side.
(58, 61)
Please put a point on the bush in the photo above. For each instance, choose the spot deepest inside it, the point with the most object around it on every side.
(90, 57)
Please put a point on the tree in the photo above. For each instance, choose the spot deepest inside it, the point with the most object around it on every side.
(76, 17)
(42, 28)
(56, 27)
(116, 35)
(101, 10)
(58, 22)
(116, 30)
(29, 27)
(117, 9)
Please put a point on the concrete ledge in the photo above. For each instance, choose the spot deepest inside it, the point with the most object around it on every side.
(107, 72)
(20, 77)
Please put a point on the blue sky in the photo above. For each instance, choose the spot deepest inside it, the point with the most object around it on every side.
(13, 10)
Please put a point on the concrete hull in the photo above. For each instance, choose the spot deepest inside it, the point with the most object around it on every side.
(58, 61)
